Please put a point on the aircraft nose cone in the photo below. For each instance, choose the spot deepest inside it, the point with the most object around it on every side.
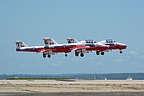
(125, 46)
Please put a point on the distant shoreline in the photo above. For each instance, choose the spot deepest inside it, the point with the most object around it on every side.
(85, 76)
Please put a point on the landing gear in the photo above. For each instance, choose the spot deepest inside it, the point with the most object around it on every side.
(120, 52)
(66, 55)
(76, 53)
(44, 55)
(49, 56)
(81, 54)
(97, 52)
(102, 53)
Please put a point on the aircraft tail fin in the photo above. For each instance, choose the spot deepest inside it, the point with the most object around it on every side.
(71, 40)
(20, 44)
(49, 41)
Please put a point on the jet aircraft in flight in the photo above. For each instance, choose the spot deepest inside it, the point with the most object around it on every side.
(109, 43)
(113, 45)
(51, 47)
(93, 46)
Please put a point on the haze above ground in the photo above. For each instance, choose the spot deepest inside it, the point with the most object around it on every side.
(30, 21)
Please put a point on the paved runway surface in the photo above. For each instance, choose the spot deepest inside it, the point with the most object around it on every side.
(75, 94)
(71, 88)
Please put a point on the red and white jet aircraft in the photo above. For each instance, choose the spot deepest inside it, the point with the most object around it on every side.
(113, 45)
(51, 47)
(93, 46)
(109, 45)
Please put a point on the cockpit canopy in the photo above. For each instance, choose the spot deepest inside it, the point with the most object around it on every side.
(110, 41)
(90, 41)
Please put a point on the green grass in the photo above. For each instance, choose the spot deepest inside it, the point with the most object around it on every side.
(38, 78)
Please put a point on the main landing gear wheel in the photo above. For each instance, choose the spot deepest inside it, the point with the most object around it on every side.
(81, 54)
(44, 56)
(97, 52)
(120, 52)
(49, 56)
(102, 53)
(76, 53)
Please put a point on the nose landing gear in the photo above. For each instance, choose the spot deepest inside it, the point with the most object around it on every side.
(66, 55)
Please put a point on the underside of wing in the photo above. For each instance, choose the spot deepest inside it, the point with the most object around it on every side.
(79, 47)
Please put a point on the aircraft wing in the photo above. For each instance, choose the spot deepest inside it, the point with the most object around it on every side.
(79, 48)
(41, 51)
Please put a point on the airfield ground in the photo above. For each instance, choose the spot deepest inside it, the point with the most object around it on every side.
(71, 88)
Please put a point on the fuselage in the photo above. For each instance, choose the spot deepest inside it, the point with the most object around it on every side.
(64, 47)
(94, 46)
(54, 48)
(31, 49)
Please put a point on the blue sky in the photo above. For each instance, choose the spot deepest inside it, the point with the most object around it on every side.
(31, 20)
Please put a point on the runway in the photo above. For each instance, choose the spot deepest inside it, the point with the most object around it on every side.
(71, 88)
